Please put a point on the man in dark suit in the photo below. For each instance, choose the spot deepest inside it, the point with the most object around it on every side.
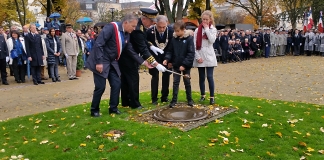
(267, 43)
(224, 46)
(129, 68)
(35, 53)
(112, 42)
(296, 42)
(159, 36)
(4, 58)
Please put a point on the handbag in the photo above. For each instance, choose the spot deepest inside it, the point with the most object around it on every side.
(251, 52)
(13, 53)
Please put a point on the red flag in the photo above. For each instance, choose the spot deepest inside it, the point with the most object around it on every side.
(310, 19)
(305, 23)
(320, 23)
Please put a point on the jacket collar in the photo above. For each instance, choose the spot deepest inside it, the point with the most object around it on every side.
(186, 34)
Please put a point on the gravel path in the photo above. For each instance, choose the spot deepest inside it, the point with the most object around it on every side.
(284, 78)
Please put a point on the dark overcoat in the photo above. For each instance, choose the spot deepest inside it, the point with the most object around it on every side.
(34, 49)
(3, 48)
(51, 58)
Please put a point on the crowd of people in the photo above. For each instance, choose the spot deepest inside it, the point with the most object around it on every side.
(33, 51)
(115, 52)
(238, 45)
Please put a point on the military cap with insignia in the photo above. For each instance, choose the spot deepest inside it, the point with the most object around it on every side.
(68, 25)
(149, 13)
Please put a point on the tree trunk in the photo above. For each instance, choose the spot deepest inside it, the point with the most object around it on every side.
(207, 4)
(19, 15)
(179, 10)
(24, 11)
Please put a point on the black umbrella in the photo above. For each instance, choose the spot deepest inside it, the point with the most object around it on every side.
(100, 24)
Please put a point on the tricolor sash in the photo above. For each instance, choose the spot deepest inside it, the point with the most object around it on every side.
(118, 40)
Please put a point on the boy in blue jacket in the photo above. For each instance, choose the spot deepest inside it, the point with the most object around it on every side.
(180, 53)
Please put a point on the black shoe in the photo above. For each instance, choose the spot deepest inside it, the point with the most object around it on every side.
(164, 100)
(190, 103)
(19, 81)
(115, 112)
(75, 78)
(172, 104)
(70, 78)
(23, 81)
(95, 114)
(211, 101)
(58, 80)
(35, 83)
(41, 82)
(5, 83)
(53, 80)
(202, 99)
(154, 102)
(140, 107)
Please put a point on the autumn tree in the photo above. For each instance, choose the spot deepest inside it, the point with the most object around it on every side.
(179, 9)
(294, 9)
(230, 17)
(317, 6)
(256, 8)
(15, 10)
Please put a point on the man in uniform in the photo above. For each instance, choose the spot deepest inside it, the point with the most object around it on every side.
(129, 68)
(159, 36)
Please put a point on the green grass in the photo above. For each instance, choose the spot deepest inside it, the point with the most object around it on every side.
(152, 141)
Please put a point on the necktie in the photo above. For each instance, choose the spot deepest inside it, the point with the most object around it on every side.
(161, 35)
(71, 34)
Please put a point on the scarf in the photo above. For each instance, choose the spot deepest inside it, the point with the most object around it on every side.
(200, 36)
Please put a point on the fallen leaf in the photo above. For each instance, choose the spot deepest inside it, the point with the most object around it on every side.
(2, 150)
(38, 121)
(142, 140)
(246, 126)
(101, 147)
(302, 158)
(236, 140)
(308, 134)
(24, 138)
(303, 144)
(321, 151)
(66, 149)
(225, 140)
(292, 121)
(73, 125)
(261, 140)
(308, 154)
(295, 148)
(218, 121)
(246, 112)
(211, 144)
(240, 150)
(225, 132)
(171, 142)
(43, 142)
(270, 154)
(260, 114)
(297, 132)
(25, 142)
(321, 129)
(309, 149)
(232, 150)
(214, 140)
(83, 145)
(129, 145)
(88, 137)
(62, 119)
(57, 146)
(163, 146)
(113, 149)
(265, 125)
(279, 134)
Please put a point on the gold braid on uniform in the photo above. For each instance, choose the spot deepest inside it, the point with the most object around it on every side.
(150, 60)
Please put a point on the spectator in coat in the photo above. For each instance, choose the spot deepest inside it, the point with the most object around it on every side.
(224, 46)
(246, 48)
(48, 23)
(4, 58)
(35, 53)
(296, 42)
(54, 49)
(205, 58)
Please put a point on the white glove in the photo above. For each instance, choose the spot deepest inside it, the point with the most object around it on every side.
(292, 44)
(7, 59)
(66, 56)
(300, 43)
(160, 68)
(156, 50)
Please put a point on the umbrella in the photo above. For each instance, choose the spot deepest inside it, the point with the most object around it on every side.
(84, 20)
(55, 15)
(37, 25)
(100, 24)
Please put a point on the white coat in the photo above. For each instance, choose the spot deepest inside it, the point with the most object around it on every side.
(10, 47)
(206, 52)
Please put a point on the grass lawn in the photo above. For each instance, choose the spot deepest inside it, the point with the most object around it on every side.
(259, 129)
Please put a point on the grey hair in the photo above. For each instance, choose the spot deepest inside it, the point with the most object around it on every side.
(163, 18)
(129, 17)
(31, 25)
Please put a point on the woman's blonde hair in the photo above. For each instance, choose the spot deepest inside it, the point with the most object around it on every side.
(210, 14)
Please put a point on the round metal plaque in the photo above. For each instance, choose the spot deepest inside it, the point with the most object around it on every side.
(181, 114)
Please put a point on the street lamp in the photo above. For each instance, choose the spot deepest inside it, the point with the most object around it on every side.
(112, 13)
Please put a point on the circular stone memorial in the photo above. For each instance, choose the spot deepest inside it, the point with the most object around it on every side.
(180, 114)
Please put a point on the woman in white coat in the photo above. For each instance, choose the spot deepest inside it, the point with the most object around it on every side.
(18, 63)
(205, 58)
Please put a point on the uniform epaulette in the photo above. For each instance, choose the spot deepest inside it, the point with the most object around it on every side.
(150, 60)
